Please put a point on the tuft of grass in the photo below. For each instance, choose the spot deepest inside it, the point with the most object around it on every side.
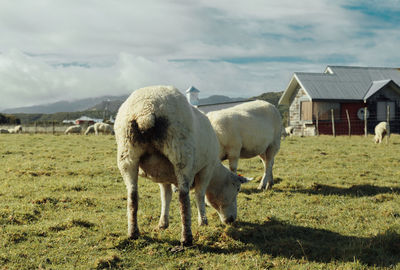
(109, 262)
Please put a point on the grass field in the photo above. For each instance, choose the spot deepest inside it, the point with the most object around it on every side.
(336, 205)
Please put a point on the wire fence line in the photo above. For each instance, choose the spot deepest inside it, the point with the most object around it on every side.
(344, 124)
(43, 128)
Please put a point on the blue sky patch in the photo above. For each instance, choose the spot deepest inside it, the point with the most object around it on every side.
(378, 12)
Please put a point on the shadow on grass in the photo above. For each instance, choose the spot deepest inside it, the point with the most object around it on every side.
(144, 241)
(141, 242)
(354, 191)
(280, 239)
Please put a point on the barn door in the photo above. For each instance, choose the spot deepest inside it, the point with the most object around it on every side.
(382, 110)
(306, 110)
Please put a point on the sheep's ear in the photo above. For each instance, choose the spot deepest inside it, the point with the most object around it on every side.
(244, 180)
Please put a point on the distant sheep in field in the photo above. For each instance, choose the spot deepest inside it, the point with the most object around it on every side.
(157, 130)
(73, 129)
(103, 128)
(4, 131)
(247, 130)
(16, 129)
(380, 132)
(287, 131)
(89, 130)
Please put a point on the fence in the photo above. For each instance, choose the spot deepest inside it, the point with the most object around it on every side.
(361, 124)
(43, 128)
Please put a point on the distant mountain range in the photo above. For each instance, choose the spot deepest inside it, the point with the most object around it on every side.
(65, 106)
(112, 104)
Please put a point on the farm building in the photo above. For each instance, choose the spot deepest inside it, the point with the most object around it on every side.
(84, 120)
(343, 93)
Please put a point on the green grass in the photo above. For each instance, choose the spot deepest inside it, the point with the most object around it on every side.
(335, 205)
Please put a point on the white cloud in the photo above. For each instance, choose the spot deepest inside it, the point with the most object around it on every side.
(26, 80)
(52, 50)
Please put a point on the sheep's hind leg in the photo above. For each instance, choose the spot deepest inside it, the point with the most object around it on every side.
(181, 155)
(184, 201)
(130, 176)
(166, 196)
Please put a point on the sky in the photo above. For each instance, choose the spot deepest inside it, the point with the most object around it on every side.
(52, 50)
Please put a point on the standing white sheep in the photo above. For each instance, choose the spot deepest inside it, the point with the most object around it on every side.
(73, 129)
(287, 131)
(247, 130)
(173, 143)
(16, 129)
(103, 128)
(380, 132)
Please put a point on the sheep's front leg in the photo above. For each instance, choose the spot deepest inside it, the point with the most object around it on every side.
(233, 163)
(201, 183)
(201, 208)
(166, 196)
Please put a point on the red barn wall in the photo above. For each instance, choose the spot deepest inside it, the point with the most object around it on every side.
(341, 125)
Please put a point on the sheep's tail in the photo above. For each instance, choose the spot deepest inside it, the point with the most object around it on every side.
(147, 128)
(146, 122)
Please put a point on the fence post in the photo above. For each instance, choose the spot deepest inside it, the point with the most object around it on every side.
(53, 131)
(333, 124)
(35, 127)
(387, 123)
(317, 116)
(348, 121)
(365, 122)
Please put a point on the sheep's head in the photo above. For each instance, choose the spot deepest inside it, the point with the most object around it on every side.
(223, 196)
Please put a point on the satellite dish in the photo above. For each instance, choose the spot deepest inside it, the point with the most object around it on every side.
(360, 113)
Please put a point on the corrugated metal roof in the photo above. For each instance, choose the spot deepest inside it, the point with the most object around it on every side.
(346, 83)
(375, 87)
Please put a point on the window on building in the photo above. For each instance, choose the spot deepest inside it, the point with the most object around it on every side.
(306, 110)
(323, 110)
(382, 107)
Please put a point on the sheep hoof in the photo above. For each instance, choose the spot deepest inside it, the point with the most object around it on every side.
(162, 226)
(187, 242)
(203, 222)
(269, 186)
(134, 235)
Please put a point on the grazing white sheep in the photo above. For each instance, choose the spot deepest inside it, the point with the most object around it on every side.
(103, 128)
(4, 131)
(287, 131)
(73, 129)
(380, 132)
(90, 129)
(173, 143)
(247, 130)
(16, 129)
